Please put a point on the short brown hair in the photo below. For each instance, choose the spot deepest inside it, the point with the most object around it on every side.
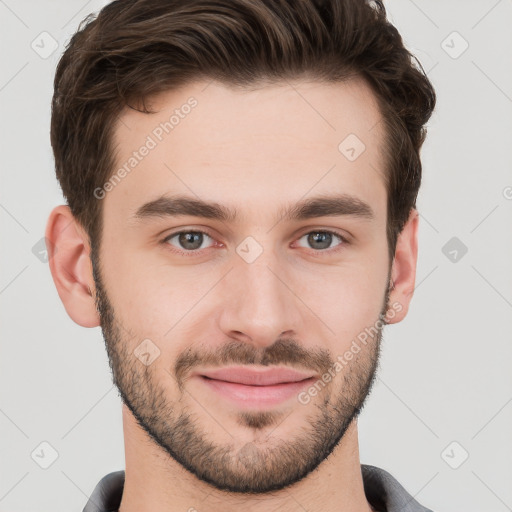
(137, 48)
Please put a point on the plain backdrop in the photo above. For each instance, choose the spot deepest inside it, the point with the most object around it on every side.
(440, 415)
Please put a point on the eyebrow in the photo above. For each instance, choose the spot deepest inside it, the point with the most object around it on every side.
(320, 206)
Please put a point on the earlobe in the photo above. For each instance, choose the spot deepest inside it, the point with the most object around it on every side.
(70, 265)
(403, 273)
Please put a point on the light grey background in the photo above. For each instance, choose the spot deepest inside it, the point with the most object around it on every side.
(445, 370)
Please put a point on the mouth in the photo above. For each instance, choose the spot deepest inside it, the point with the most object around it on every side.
(255, 388)
(257, 377)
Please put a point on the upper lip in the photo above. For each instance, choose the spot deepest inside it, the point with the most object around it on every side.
(252, 377)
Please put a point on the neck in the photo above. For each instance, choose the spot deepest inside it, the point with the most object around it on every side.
(155, 481)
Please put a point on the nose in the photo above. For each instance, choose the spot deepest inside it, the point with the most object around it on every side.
(258, 304)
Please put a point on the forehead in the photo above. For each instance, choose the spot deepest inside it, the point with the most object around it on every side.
(250, 148)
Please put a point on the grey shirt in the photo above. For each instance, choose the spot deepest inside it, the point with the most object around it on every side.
(382, 491)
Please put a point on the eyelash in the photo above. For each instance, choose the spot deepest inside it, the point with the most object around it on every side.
(195, 252)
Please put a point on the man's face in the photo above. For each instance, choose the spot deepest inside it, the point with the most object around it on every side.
(263, 289)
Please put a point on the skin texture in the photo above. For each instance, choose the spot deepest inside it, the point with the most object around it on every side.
(300, 303)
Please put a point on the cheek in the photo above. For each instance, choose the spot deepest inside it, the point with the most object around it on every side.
(153, 300)
(346, 299)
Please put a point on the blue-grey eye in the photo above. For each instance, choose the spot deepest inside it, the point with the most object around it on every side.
(319, 240)
(188, 240)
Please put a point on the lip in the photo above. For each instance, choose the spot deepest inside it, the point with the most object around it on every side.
(255, 389)
(256, 377)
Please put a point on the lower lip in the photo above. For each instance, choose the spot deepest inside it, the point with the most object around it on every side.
(254, 396)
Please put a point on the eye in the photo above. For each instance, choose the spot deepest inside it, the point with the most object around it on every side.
(322, 239)
(188, 241)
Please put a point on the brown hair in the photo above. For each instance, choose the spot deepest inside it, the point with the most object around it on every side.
(136, 48)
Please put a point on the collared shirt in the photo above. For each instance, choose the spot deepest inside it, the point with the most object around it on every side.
(382, 491)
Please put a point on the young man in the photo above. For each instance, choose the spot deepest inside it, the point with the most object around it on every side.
(241, 179)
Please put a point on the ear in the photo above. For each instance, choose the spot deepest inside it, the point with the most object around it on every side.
(403, 273)
(70, 264)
